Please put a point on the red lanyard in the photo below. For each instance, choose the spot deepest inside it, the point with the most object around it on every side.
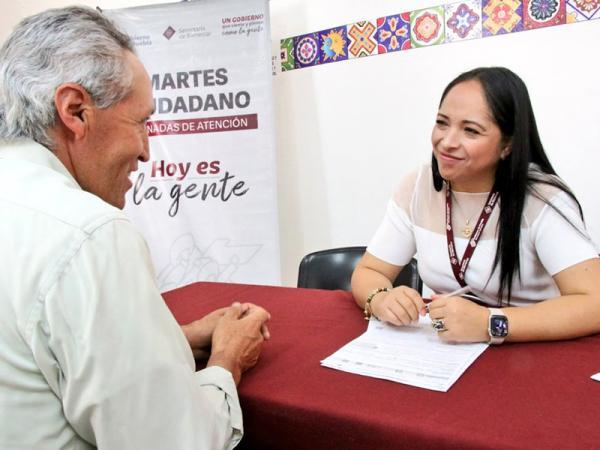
(460, 267)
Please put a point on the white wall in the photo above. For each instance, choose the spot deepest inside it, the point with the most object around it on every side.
(347, 131)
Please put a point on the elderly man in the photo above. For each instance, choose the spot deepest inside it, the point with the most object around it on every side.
(89, 354)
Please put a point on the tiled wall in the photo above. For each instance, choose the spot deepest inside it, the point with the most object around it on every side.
(452, 22)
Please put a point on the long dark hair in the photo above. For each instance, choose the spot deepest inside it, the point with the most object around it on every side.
(508, 100)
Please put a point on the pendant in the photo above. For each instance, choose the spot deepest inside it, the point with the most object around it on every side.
(466, 232)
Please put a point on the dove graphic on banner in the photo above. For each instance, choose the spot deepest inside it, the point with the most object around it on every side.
(217, 262)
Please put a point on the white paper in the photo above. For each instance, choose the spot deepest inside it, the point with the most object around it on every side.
(411, 355)
(596, 376)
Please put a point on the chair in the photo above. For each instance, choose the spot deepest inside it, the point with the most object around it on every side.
(332, 269)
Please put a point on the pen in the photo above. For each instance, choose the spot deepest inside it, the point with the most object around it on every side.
(458, 292)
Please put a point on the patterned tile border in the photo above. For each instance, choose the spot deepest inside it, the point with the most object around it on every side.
(361, 39)
(580, 10)
(307, 50)
(543, 13)
(501, 16)
(333, 44)
(288, 60)
(393, 33)
(452, 22)
(427, 27)
(463, 20)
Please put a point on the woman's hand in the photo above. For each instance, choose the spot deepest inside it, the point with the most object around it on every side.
(400, 306)
(464, 321)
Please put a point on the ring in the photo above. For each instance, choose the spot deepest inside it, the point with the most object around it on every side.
(438, 325)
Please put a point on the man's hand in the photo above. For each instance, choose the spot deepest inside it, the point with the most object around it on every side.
(199, 333)
(238, 337)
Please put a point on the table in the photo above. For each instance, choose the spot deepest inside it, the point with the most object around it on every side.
(536, 395)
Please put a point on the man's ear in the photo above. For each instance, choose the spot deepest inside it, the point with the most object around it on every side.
(74, 107)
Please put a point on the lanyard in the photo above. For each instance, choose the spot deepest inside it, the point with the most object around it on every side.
(460, 267)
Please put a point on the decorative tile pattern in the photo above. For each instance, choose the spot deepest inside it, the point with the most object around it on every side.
(543, 13)
(427, 26)
(501, 16)
(463, 20)
(288, 61)
(579, 10)
(306, 50)
(333, 44)
(393, 33)
(361, 39)
(456, 21)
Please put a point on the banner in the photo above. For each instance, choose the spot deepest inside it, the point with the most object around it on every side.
(206, 201)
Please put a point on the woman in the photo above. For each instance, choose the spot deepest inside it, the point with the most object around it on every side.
(489, 215)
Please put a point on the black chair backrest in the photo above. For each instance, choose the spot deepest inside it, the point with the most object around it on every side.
(332, 269)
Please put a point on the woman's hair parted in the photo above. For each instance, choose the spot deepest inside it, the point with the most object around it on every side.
(508, 100)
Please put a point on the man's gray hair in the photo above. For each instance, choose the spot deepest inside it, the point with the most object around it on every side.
(68, 45)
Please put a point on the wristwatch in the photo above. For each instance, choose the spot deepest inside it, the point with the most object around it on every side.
(497, 326)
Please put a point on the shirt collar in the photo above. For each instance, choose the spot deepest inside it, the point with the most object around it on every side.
(31, 151)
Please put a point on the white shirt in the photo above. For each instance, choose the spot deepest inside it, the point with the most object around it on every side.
(415, 224)
(90, 356)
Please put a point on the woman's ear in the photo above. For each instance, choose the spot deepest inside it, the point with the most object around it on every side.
(506, 150)
(73, 108)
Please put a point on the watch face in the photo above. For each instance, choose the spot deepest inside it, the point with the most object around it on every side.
(498, 326)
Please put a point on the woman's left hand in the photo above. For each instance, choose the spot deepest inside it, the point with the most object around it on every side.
(463, 320)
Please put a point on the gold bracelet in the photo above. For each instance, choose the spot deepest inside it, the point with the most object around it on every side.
(368, 312)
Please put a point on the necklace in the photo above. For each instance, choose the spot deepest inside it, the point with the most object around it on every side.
(467, 230)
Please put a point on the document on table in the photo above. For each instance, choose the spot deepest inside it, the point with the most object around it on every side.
(411, 355)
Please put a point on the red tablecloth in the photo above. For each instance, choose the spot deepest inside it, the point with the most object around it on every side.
(536, 395)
